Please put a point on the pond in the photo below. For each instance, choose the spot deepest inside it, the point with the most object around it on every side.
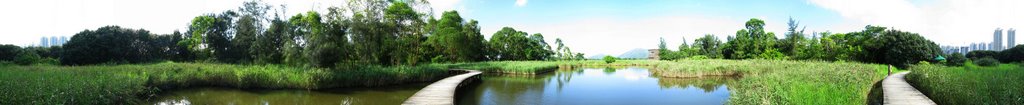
(590, 86)
(628, 86)
(391, 95)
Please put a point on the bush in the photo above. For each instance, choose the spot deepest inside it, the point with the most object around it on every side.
(26, 58)
(8, 52)
(1015, 54)
(609, 59)
(978, 54)
(956, 59)
(987, 61)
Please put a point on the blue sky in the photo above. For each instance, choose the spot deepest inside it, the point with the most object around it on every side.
(589, 26)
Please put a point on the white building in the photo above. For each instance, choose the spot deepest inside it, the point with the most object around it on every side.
(997, 40)
(1011, 38)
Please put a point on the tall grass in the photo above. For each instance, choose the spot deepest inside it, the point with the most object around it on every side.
(970, 84)
(128, 84)
(507, 67)
(779, 82)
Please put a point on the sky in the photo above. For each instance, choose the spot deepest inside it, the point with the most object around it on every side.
(590, 26)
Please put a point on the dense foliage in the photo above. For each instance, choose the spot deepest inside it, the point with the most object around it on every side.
(365, 32)
(956, 59)
(609, 59)
(1014, 54)
(110, 44)
(872, 45)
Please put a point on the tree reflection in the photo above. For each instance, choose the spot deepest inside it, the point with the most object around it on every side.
(708, 84)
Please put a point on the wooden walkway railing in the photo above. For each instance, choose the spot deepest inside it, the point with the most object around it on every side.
(441, 92)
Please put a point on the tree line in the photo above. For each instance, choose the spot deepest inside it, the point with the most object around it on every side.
(874, 44)
(375, 32)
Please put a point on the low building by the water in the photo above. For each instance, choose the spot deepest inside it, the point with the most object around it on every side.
(653, 54)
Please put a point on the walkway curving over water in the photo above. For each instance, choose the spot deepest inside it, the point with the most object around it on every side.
(898, 92)
(441, 92)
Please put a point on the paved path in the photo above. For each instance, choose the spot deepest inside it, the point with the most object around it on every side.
(898, 92)
(441, 92)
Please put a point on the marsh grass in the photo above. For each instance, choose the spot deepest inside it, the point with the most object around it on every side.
(130, 84)
(773, 81)
(970, 84)
(507, 67)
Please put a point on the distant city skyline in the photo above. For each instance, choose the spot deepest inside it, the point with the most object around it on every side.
(995, 45)
(50, 41)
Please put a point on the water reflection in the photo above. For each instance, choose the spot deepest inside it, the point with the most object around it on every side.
(347, 96)
(630, 85)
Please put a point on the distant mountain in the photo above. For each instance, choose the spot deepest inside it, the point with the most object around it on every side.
(598, 56)
(635, 54)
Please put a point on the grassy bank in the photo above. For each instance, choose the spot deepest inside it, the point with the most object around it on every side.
(785, 82)
(970, 85)
(127, 84)
(506, 67)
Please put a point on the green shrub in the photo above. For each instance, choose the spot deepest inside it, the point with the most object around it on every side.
(609, 59)
(956, 59)
(26, 58)
(987, 61)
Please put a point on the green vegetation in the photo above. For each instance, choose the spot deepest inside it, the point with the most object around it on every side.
(784, 82)
(126, 84)
(608, 59)
(507, 67)
(970, 85)
(986, 62)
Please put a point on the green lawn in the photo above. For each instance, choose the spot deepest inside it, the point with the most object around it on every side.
(970, 85)
(129, 84)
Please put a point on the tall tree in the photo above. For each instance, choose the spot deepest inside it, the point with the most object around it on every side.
(247, 30)
(511, 44)
(904, 48)
(457, 41)
(8, 52)
(794, 41)
(709, 45)
(753, 42)
(109, 44)
(373, 39)
(268, 47)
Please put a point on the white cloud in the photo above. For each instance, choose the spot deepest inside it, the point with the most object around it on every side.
(446, 5)
(521, 3)
(947, 22)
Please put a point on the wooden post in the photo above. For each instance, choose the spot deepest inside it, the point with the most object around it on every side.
(889, 70)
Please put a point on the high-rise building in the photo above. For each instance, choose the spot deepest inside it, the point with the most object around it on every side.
(964, 50)
(1011, 38)
(997, 40)
(44, 42)
(54, 41)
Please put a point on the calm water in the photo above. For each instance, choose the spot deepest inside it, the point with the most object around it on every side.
(392, 95)
(622, 86)
(625, 86)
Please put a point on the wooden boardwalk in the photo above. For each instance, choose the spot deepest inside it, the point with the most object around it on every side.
(441, 92)
(898, 92)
